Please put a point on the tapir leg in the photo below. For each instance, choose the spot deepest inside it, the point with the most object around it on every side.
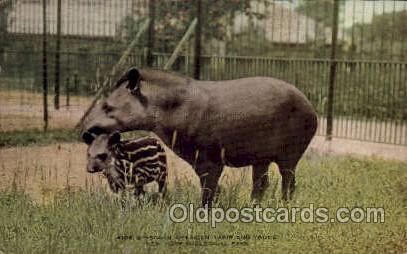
(209, 174)
(260, 180)
(288, 183)
(287, 171)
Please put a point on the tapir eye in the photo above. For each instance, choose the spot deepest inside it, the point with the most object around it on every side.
(102, 156)
(106, 108)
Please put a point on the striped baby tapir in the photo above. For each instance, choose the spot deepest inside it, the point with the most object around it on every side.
(128, 163)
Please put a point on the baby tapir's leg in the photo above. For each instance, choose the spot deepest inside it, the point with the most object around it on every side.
(139, 191)
(115, 180)
(162, 182)
(139, 182)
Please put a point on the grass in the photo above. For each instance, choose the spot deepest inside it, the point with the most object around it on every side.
(91, 221)
(52, 136)
(37, 137)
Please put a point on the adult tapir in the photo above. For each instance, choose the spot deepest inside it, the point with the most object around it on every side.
(248, 121)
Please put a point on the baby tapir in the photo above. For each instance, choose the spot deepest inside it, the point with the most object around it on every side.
(134, 162)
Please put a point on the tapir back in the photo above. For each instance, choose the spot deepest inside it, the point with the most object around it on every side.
(256, 119)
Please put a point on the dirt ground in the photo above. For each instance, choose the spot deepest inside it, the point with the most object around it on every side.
(43, 170)
(21, 110)
(341, 146)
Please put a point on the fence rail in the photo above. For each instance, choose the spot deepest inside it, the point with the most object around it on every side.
(289, 40)
(370, 96)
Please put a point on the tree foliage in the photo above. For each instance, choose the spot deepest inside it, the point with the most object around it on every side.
(321, 11)
(385, 35)
(172, 18)
(5, 7)
(389, 26)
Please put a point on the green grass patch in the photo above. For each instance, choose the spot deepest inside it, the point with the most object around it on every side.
(37, 137)
(84, 222)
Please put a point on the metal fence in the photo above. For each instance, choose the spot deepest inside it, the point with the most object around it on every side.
(348, 57)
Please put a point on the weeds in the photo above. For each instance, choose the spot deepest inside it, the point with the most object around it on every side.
(79, 220)
(37, 137)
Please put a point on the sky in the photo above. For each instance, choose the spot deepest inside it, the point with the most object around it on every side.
(361, 11)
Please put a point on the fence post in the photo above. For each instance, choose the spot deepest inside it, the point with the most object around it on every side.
(198, 37)
(181, 43)
(67, 90)
(119, 65)
(57, 57)
(5, 6)
(150, 34)
(76, 83)
(45, 65)
(332, 71)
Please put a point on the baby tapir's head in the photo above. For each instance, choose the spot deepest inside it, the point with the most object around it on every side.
(100, 151)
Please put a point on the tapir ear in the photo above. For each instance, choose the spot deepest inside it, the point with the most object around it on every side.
(87, 138)
(114, 138)
(133, 77)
